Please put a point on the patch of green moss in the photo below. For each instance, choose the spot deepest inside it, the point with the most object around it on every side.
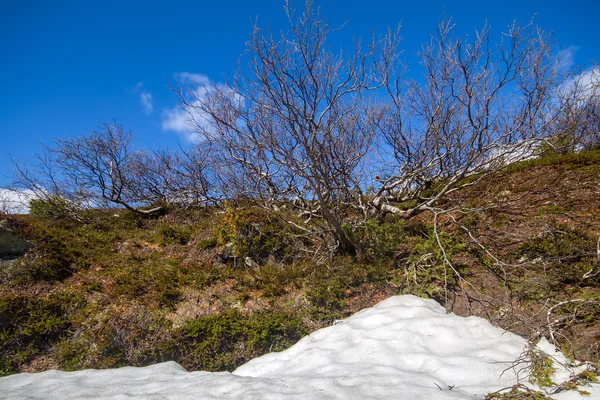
(157, 281)
(518, 392)
(208, 243)
(426, 270)
(257, 234)
(169, 234)
(224, 341)
(570, 160)
(30, 326)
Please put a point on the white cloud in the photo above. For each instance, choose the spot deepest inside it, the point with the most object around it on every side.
(186, 120)
(566, 58)
(15, 201)
(178, 119)
(189, 78)
(583, 85)
(146, 99)
(589, 79)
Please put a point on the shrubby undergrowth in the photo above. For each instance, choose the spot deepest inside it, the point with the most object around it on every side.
(312, 198)
(212, 288)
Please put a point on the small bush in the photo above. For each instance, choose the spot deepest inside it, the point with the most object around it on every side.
(224, 341)
(55, 255)
(558, 241)
(31, 326)
(425, 271)
(541, 368)
(388, 240)
(52, 208)
(173, 234)
(257, 235)
(115, 337)
(157, 282)
(518, 392)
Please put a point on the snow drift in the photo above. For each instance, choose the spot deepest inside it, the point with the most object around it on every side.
(403, 348)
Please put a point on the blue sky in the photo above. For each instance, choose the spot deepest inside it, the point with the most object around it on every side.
(65, 65)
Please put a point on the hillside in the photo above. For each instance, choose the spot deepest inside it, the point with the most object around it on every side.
(213, 288)
(403, 348)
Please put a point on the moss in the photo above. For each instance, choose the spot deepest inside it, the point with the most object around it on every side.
(169, 234)
(551, 209)
(257, 234)
(208, 243)
(155, 280)
(518, 392)
(32, 325)
(226, 340)
(425, 270)
(570, 160)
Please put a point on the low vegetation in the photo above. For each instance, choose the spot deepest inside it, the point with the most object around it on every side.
(212, 288)
(475, 184)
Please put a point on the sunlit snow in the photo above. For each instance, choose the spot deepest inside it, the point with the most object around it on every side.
(403, 348)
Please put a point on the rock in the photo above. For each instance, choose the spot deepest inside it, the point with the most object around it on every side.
(251, 263)
(11, 246)
(226, 253)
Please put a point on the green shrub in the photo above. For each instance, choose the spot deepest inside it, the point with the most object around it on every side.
(53, 207)
(173, 234)
(387, 240)
(570, 160)
(275, 279)
(208, 243)
(518, 392)
(115, 336)
(557, 241)
(57, 252)
(541, 368)
(425, 270)
(224, 341)
(257, 235)
(156, 281)
(32, 326)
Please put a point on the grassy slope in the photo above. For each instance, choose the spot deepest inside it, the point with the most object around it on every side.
(125, 291)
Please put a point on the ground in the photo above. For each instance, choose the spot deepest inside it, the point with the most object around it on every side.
(124, 290)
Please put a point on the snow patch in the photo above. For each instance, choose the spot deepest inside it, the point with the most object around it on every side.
(15, 201)
(403, 348)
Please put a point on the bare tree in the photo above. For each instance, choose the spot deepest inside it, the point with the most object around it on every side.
(102, 169)
(297, 126)
(577, 125)
(302, 124)
(42, 178)
(476, 108)
(172, 177)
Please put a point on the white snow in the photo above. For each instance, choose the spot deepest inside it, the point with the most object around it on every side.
(403, 348)
(15, 201)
